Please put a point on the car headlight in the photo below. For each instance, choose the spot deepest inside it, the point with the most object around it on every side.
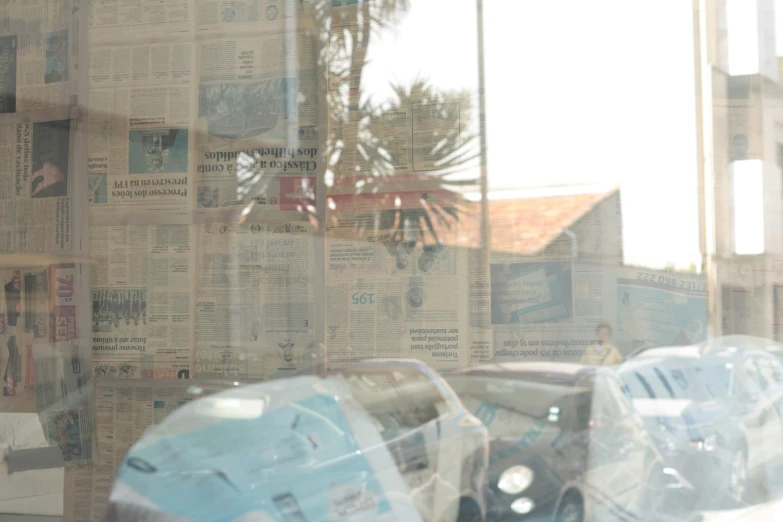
(515, 479)
(708, 443)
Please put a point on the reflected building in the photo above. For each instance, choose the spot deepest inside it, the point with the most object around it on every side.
(740, 139)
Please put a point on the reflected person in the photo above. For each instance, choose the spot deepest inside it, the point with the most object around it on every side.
(604, 353)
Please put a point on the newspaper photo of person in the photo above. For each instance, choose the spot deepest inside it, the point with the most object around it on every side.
(7, 74)
(739, 147)
(13, 298)
(208, 197)
(127, 371)
(56, 57)
(13, 368)
(105, 370)
(97, 191)
(115, 309)
(64, 430)
(158, 151)
(51, 144)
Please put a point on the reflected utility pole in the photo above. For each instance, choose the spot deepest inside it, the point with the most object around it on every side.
(479, 287)
(704, 33)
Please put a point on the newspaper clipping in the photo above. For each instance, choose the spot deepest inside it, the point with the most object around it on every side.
(38, 53)
(257, 153)
(35, 195)
(139, 140)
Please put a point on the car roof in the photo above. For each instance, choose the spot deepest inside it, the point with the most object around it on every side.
(722, 346)
(547, 372)
(715, 350)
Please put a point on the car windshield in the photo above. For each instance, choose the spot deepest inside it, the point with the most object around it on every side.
(506, 404)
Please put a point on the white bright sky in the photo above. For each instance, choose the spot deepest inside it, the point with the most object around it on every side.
(578, 92)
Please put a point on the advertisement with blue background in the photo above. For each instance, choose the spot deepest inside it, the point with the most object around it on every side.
(660, 308)
(531, 292)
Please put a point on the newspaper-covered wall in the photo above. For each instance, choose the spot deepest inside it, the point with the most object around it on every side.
(45, 358)
(214, 121)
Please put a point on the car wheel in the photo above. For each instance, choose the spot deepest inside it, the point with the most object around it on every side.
(571, 509)
(738, 477)
(469, 511)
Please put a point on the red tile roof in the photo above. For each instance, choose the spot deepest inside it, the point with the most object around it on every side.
(527, 226)
(522, 226)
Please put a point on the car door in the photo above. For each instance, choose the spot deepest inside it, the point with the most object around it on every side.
(613, 463)
(754, 407)
(773, 371)
(633, 445)
(773, 434)
(401, 403)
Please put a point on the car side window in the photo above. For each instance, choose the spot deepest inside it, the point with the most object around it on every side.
(770, 371)
(623, 405)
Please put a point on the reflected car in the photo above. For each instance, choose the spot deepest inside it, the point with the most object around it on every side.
(565, 442)
(714, 412)
(381, 440)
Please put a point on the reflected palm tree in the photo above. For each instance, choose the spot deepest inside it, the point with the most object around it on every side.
(365, 149)
(446, 146)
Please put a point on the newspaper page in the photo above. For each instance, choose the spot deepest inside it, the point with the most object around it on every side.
(141, 99)
(36, 187)
(659, 308)
(257, 150)
(548, 305)
(38, 53)
(389, 295)
(254, 301)
(141, 288)
(124, 410)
